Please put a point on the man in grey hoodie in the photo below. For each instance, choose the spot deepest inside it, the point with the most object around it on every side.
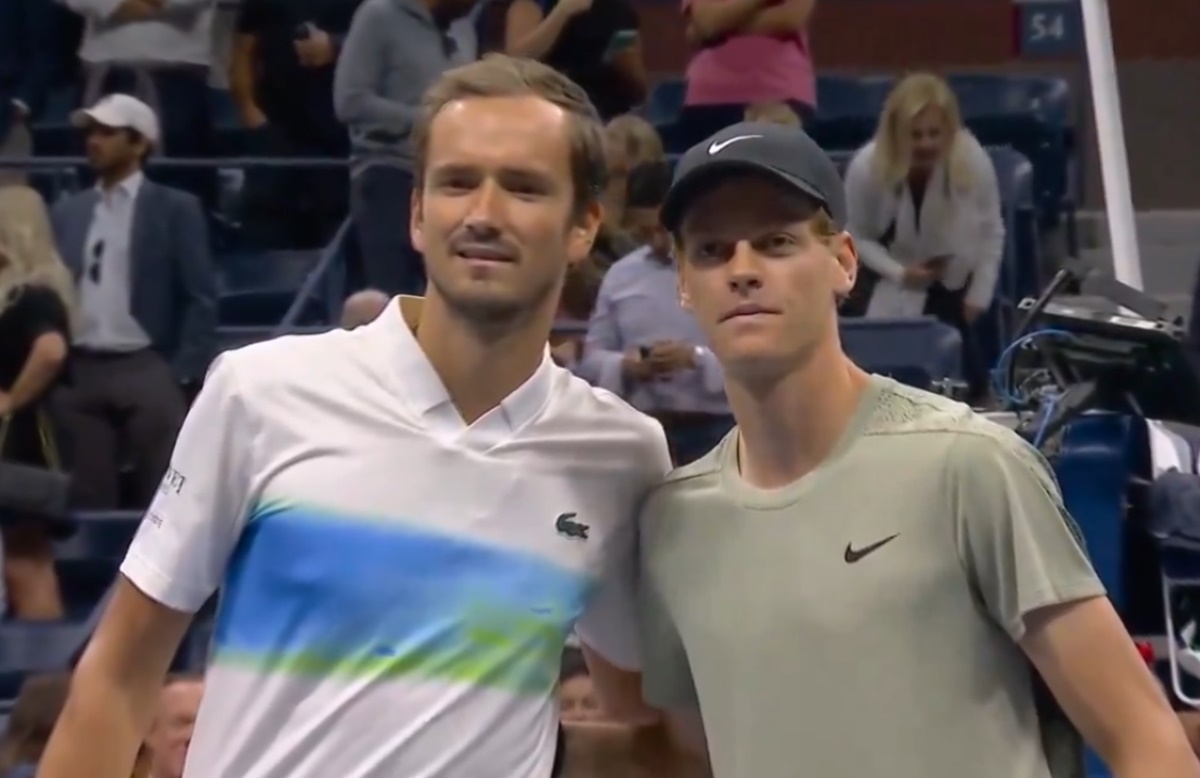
(394, 50)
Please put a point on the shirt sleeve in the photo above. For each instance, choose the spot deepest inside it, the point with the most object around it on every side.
(179, 554)
(864, 196)
(609, 625)
(359, 71)
(988, 238)
(667, 681)
(1020, 547)
(41, 313)
(603, 350)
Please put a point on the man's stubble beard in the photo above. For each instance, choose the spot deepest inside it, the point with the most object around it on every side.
(495, 314)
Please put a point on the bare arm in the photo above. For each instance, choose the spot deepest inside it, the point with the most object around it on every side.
(783, 19)
(241, 80)
(1093, 669)
(114, 692)
(710, 20)
(528, 33)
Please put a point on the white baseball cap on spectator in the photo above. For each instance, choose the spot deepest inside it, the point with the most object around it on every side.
(120, 112)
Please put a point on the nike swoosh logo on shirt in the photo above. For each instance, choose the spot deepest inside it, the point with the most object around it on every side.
(854, 554)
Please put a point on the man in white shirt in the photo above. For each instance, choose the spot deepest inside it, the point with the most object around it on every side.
(405, 520)
(140, 257)
(161, 52)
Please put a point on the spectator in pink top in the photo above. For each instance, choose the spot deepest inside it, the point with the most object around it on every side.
(748, 51)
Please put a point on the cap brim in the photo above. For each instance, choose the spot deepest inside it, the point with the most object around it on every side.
(704, 176)
(85, 117)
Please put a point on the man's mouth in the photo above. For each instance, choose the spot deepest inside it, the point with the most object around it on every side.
(482, 252)
(748, 309)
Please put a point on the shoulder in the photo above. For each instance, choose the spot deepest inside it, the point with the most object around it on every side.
(700, 473)
(860, 174)
(264, 372)
(38, 294)
(177, 199)
(983, 449)
(625, 267)
(608, 429)
(68, 204)
(372, 10)
(973, 151)
(41, 300)
(861, 161)
(969, 442)
(976, 158)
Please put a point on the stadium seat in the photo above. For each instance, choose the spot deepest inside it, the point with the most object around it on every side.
(257, 288)
(88, 560)
(848, 109)
(100, 535)
(34, 647)
(1033, 114)
(917, 352)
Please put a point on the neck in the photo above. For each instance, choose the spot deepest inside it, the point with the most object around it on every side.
(113, 177)
(788, 428)
(480, 367)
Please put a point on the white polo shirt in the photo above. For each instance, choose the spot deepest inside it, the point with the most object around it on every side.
(397, 586)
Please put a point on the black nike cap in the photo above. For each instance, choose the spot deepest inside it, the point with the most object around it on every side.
(786, 154)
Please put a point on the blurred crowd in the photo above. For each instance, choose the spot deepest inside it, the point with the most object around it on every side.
(109, 294)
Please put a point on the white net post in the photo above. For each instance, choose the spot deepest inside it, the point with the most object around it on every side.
(1110, 134)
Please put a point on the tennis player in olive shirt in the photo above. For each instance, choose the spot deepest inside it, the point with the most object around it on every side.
(863, 578)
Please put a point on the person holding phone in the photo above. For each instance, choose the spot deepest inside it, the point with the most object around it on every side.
(642, 345)
(594, 42)
(924, 207)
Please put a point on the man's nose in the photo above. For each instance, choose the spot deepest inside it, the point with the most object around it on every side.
(744, 268)
(485, 206)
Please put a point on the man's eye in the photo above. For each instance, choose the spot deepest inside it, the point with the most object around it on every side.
(779, 241)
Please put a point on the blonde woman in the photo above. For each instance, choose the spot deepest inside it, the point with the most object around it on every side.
(36, 294)
(924, 208)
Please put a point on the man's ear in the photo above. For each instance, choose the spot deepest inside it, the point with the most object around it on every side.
(845, 255)
(583, 231)
(416, 220)
(685, 294)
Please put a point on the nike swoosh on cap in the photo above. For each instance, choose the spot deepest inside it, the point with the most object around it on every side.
(716, 146)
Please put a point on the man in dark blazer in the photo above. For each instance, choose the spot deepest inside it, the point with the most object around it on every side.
(147, 301)
(28, 42)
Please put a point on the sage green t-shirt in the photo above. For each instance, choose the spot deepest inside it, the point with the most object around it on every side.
(863, 621)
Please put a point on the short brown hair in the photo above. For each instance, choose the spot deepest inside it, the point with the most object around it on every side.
(773, 112)
(634, 138)
(499, 75)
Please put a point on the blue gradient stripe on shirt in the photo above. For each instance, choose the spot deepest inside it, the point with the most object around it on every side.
(314, 592)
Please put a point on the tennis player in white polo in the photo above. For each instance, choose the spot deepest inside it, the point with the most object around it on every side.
(406, 520)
